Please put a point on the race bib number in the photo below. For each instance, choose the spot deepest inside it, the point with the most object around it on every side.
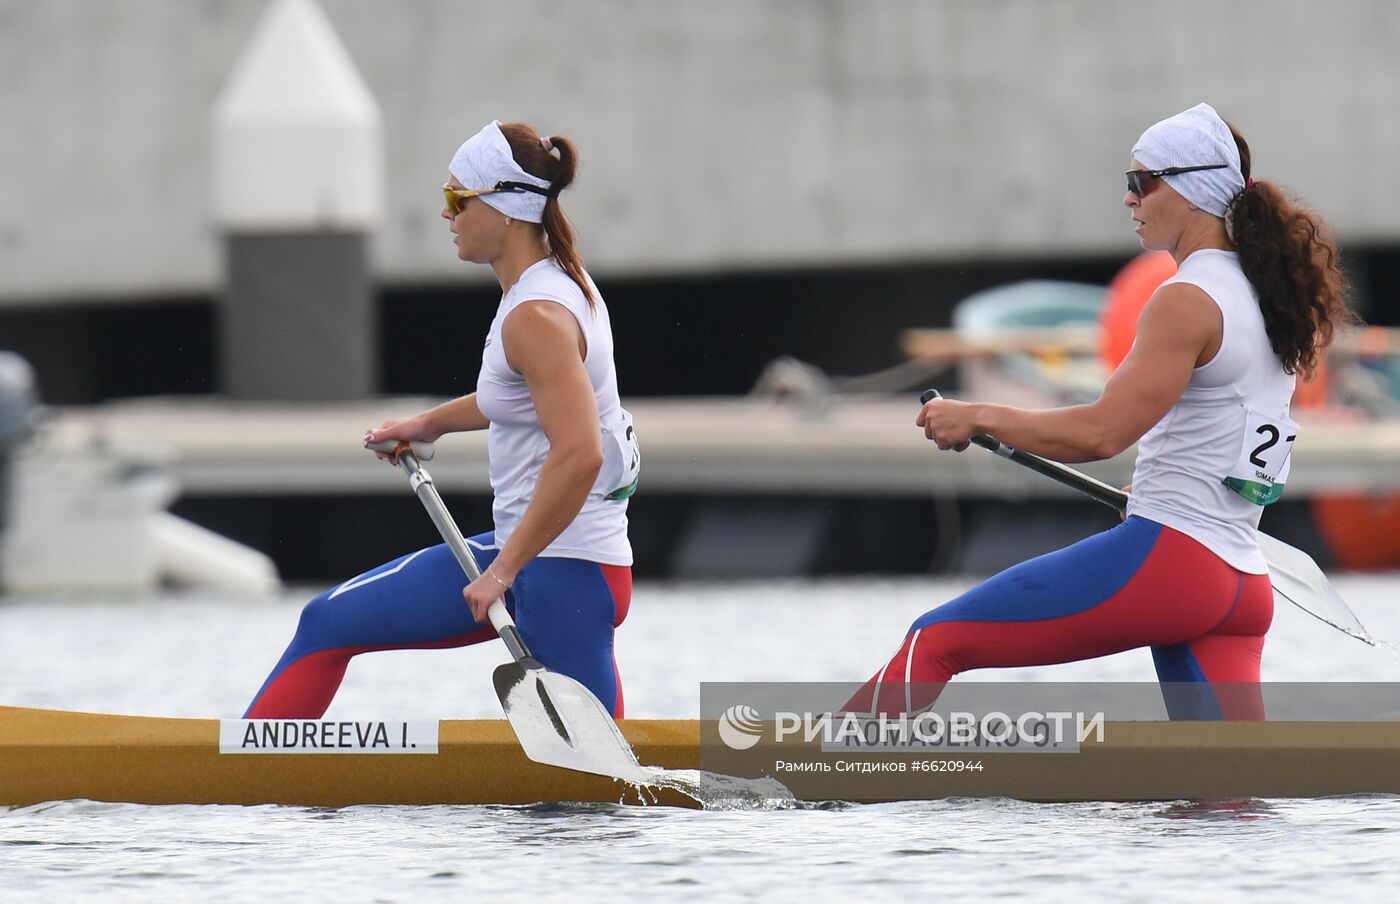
(622, 460)
(1262, 468)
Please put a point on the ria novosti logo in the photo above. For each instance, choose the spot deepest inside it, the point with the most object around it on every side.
(740, 726)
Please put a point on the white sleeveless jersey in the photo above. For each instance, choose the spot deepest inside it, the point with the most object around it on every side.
(1231, 424)
(517, 444)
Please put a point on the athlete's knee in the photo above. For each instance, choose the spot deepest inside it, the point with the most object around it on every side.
(935, 654)
(318, 617)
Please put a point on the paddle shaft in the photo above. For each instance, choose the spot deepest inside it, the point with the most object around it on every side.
(1096, 490)
(423, 488)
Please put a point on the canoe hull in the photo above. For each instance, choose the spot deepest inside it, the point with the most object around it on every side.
(53, 755)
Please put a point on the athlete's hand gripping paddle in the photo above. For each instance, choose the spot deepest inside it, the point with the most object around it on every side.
(557, 720)
(1293, 573)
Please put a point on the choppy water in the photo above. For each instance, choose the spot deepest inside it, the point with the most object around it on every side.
(205, 657)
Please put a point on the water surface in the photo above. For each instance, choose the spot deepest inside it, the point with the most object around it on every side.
(204, 656)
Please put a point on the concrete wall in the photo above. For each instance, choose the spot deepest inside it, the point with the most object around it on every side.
(719, 135)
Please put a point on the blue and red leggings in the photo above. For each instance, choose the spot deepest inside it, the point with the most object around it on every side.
(1138, 584)
(566, 610)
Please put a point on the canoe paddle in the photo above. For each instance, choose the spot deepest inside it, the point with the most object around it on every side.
(558, 721)
(1293, 573)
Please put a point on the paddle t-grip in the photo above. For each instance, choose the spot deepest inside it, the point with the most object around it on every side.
(423, 451)
(990, 443)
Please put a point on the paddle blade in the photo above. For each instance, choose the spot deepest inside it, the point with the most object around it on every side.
(1297, 578)
(560, 723)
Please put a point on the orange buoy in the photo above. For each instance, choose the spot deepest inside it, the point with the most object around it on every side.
(1362, 531)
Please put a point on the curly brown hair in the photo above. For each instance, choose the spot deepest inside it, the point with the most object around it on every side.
(1292, 261)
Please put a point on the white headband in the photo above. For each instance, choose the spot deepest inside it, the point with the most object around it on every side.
(1191, 138)
(485, 159)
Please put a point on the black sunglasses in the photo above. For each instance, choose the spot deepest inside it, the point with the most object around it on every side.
(1139, 181)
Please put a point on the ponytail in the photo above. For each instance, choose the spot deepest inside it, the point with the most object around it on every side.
(1292, 261)
(536, 156)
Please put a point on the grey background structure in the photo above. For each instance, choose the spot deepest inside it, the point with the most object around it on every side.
(721, 136)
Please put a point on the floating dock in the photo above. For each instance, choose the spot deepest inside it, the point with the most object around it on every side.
(844, 445)
(731, 487)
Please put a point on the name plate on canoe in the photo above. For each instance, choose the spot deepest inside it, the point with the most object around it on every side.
(318, 736)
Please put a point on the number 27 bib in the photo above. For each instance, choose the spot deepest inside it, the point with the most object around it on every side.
(1262, 468)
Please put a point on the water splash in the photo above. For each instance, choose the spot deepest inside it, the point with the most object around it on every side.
(1391, 648)
(596, 745)
(714, 791)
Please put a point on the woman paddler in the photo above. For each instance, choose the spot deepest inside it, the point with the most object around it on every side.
(563, 456)
(1205, 392)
